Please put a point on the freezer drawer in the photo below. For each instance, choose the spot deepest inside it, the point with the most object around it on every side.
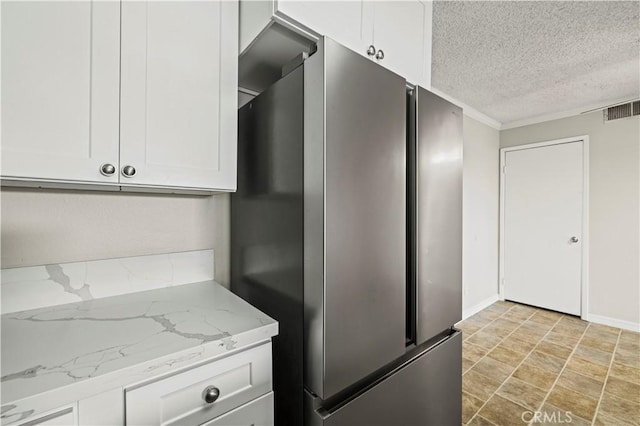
(427, 391)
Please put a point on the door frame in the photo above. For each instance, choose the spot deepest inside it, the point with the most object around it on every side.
(584, 276)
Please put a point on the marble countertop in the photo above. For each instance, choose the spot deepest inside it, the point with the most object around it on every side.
(57, 355)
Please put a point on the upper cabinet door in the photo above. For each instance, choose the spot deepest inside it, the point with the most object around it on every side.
(343, 21)
(399, 31)
(60, 75)
(178, 113)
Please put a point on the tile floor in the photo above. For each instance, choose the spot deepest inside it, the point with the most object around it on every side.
(523, 361)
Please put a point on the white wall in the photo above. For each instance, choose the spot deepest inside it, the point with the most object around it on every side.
(614, 211)
(480, 205)
(47, 226)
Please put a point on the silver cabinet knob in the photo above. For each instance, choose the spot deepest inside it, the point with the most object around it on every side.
(380, 55)
(128, 171)
(107, 169)
(210, 394)
(371, 50)
(574, 239)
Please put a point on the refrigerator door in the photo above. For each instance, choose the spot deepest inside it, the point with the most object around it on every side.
(427, 391)
(438, 200)
(357, 298)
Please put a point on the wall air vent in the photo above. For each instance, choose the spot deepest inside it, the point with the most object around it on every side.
(622, 111)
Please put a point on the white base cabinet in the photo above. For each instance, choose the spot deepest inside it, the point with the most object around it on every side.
(232, 391)
(130, 94)
(63, 417)
(181, 399)
(258, 412)
(104, 409)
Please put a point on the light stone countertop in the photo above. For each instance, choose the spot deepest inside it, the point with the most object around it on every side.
(57, 355)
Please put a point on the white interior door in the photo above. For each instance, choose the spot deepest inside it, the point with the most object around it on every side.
(543, 202)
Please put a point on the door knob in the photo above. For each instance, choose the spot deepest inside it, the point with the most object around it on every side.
(380, 55)
(371, 50)
(574, 239)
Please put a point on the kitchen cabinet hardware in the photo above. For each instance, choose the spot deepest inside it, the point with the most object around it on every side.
(371, 50)
(108, 169)
(210, 394)
(128, 171)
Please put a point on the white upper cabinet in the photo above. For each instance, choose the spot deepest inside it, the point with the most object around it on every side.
(399, 38)
(146, 89)
(179, 94)
(399, 31)
(343, 21)
(347, 22)
(60, 82)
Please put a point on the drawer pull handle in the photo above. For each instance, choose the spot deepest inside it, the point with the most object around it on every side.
(210, 394)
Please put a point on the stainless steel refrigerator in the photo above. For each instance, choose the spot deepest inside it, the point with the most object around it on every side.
(346, 228)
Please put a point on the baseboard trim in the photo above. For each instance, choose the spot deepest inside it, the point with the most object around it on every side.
(466, 313)
(614, 322)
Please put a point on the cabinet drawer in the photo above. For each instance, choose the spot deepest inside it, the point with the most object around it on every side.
(258, 412)
(179, 399)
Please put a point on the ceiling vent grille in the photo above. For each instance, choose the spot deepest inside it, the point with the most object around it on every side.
(622, 111)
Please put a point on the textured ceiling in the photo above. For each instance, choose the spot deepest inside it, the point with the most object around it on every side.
(518, 60)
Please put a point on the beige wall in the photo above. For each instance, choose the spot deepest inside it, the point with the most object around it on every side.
(614, 211)
(48, 226)
(480, 213)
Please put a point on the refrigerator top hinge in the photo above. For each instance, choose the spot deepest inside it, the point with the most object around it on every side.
(294, 63)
